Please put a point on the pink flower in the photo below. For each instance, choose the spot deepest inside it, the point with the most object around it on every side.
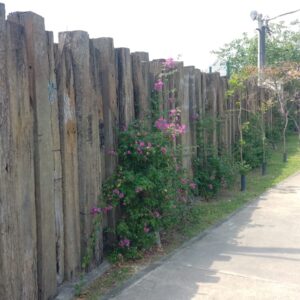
(156, 214)
(163, 150)
(142, 144)
(183, 180)
(116, 192)
(121, 195)
(193, 185)
(112, 152)
(138, 189)
(149, 145)
(146, 229)
(172, 112)
(161, 124)
(128, 152)
(169, 64)
(158, 85)
(95, 210)
(124, 243)
(106, 209)
(181, 129)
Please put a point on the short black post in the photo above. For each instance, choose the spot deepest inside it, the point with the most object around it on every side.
(243, 182)
(263, 168)
(285, 157)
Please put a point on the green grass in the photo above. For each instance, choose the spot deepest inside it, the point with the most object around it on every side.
(202, 215)
(112, 279)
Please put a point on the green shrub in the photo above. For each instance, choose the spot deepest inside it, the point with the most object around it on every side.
(213, 173)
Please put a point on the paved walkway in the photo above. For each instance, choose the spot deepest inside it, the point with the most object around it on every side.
(253, 255)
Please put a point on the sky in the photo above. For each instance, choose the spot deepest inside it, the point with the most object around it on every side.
(185, 29)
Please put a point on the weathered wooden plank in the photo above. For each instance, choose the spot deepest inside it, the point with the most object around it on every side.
(221, 123)
(57, 178)
(69, 154)
(199, 111)
(212, 80)
(179, 95)
(192, 110)
(185, 119)
(155, 73)
(9, 268)
(141, 85)
(18, 268)
(99, 130)
(22, 117)
(143, 56)
(125, 98)
(225, 116)
(36, 44)
(108, 81)
(7, 230)
(107, 67)
(87, 131)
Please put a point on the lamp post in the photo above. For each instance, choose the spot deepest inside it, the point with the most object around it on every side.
(262, 27)
(261, 55)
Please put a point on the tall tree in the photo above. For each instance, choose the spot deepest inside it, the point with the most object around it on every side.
(282, 44)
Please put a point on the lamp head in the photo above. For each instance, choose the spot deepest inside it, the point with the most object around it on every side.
(254, 15)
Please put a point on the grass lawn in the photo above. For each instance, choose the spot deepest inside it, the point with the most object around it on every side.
(203, 215)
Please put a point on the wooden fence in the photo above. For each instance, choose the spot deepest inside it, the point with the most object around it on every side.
(61, 106)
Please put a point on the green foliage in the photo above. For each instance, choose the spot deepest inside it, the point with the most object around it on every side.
(147, 187)
(213, 173)
(282, 45)
(212, 170)
(253, 148)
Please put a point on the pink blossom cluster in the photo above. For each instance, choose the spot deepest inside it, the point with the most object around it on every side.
(156, 214)
(124, 243)
(118, 193)
(172, 128)
(141, 145)
(138, 189)
(107, 208)
(169, 64)
(173, 112)
(158, 85)
(163, 150)
(97, 210)
(191, 184)
(146, 229)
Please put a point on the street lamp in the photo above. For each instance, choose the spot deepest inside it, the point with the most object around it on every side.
(261, 55)
(262, 28)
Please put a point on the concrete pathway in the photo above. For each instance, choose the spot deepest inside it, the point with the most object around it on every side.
(253, 255)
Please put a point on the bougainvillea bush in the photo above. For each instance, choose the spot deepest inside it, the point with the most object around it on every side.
(149, 186)
(213, 174)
